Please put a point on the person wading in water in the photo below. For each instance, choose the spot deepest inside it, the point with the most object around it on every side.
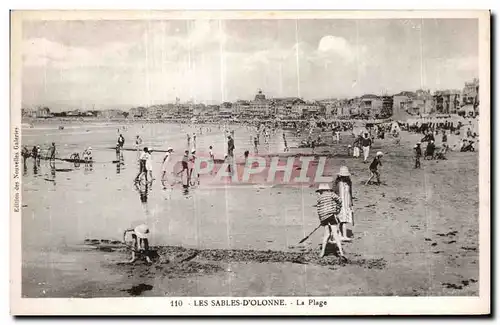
(142, 165)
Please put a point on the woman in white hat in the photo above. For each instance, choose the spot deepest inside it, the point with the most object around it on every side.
(343, 188)
(140, 246)
(328, 206)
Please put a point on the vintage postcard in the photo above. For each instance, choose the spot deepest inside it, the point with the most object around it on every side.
(250, 163)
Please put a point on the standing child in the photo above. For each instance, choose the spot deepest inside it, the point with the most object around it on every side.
(343, 188)
(355, 152)
(121, 140)
(185, 169)
(285, 142)
(142, 164)
(149, 164)
(87, 155)
(192, 167)
(329, 205)
(366, 142)
(167, 176)
(374, 168)
(53, 151)
(212, 159)
(418, 154)
(444, 139)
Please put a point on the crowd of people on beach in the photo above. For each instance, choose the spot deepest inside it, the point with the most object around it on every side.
(334, 201)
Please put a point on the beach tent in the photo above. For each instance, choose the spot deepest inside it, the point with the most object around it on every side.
(395, 127)
(359, 128)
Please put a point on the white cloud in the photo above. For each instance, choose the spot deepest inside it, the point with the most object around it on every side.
(331, 47)
(463, 63)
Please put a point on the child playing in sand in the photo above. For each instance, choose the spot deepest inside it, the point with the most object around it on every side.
(140, 245)
(374, 168)
(343, 188)
(329, 205)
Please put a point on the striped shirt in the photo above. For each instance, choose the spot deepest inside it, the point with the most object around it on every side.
(328, 204)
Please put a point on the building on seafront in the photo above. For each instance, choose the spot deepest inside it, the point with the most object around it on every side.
(370, 105)
(260, 106)
(447, 101)
(283, 106)
(226, 110)
(470, 95)
(419, 102)
(414, 103)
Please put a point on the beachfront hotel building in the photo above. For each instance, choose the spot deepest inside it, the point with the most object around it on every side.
(240, 107)
(283, 106)
(370, 105)
(470, 93)
(401, 101)
(226, 110)
(40, 112)
(414, 103)
(260, 106)
(447, 101)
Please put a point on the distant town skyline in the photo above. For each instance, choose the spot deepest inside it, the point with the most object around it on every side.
(120, 64)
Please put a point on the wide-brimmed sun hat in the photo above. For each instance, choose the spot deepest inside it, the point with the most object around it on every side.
(324, 187)
(193, 151)
(380, 153)
(344, 171)
(142, 231)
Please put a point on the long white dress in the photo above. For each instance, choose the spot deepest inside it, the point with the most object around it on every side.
(149, 163)
(345, 214)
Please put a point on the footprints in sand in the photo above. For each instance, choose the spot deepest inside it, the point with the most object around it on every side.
(460, 286)
(446, 237)
(139, 289)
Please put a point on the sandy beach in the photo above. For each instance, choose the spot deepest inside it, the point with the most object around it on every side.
(414, 235)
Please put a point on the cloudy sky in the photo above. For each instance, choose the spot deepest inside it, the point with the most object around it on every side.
(120, 64)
